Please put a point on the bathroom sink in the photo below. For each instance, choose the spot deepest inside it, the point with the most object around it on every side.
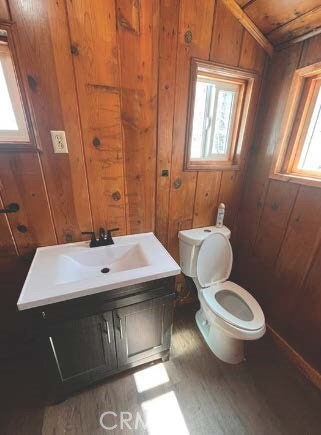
(64, 272)
(93, 261)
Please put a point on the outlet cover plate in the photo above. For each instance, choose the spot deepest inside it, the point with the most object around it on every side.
(59, 141)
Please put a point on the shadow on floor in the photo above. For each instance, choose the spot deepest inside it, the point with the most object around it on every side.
(22, 396)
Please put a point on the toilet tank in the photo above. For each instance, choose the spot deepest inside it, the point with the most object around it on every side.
(190, 242)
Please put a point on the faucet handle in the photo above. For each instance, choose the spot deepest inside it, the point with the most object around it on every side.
(113, 229)
(109, 238)
(110, 231)
(93, 241)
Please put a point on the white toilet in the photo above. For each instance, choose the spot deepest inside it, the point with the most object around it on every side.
(228, 314)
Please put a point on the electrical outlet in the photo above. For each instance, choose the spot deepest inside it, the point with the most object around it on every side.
(59, 141)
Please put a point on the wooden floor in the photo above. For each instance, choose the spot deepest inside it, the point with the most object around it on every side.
(193, 393)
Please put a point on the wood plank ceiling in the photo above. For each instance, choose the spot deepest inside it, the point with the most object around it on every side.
(284, 21)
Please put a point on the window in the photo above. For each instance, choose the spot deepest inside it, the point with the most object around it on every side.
(13, 124)
(214, 115)
(218, 108)
(299, 156)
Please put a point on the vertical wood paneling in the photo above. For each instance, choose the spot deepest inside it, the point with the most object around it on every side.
(7, 244)
(282, 222)
(138, 48)
(21, 182)
(300, 244)
(252, 55)
(311, 51)
(243, 51)
(257, 182)
(196, 17)
(93, 35)
(69, 110)
(4, 10)
(206, 198)
(205, 187)
(275, 217)
(36, 55)
(308, 308)
(221, 38)
(219, 185)
(227, 32)
(230, 190)
(112, 74)
(169, 16)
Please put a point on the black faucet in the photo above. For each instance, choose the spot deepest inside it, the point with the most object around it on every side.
(93, 241)
(105, 237)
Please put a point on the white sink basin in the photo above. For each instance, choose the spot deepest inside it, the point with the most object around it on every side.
(92, 262)
(63, 272)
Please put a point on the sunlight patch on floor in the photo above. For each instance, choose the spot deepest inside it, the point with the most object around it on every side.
(163, 415)
(151, 377)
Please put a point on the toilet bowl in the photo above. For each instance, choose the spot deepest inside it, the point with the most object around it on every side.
(229, 314)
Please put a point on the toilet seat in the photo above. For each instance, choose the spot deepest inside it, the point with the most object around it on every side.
(227, 300)
(240, 301)
(216, 249)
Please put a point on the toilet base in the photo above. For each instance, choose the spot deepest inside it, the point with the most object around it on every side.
(226, 348)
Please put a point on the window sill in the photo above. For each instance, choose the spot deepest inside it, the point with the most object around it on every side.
(214, 167)
(298, 179)
(18, 147)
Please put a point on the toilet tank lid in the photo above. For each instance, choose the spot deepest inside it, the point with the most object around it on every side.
(196, 236)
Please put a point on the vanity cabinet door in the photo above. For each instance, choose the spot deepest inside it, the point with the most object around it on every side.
(143, 330)
(84, 349)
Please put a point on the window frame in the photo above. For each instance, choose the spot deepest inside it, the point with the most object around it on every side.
(296, 120)
(246, 79)
(12, 145)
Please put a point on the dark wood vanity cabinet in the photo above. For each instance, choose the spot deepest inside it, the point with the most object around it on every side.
(84, 349)
(143, 330)
(90, 338)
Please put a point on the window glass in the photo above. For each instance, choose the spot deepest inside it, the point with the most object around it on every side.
(223, 121)
(13, 127)
(213, 118)
(7, 117)
(310, 157)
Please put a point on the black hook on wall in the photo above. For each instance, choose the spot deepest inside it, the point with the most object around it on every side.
(12, 208)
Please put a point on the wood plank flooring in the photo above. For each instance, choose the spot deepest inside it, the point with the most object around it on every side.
(193, 393)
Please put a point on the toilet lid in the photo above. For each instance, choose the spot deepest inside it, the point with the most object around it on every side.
(235, 305)
(215, 258)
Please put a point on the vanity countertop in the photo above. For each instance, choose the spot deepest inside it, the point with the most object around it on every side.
(63, 272)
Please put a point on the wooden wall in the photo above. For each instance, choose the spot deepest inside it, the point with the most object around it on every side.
(279, 232)
(89, 68)
(104, 96)
(114, 75)
(218, 36)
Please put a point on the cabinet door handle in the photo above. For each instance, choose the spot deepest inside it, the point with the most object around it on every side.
(107, 330)
(120, 328)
